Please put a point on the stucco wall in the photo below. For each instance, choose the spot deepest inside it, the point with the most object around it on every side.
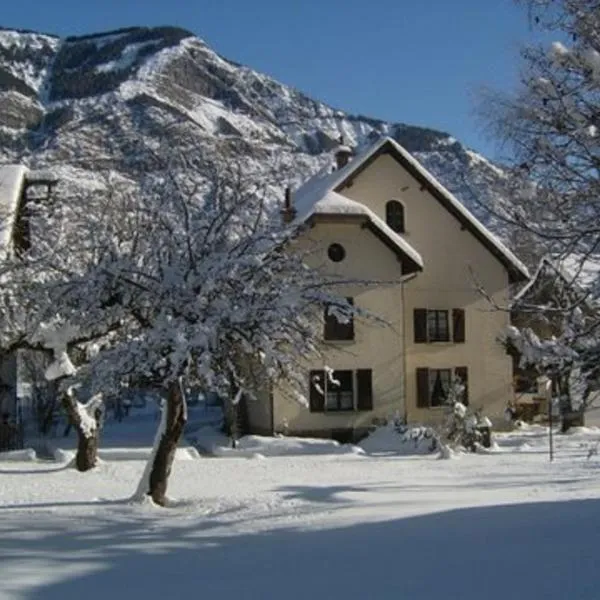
(454, 262)
(376, 346)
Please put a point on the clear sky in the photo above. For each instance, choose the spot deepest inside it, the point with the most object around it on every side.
(416, 61)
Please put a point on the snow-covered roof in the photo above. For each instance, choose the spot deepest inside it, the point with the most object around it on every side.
(580, 272)
(333, 203)
(11, 184)
(326, 181)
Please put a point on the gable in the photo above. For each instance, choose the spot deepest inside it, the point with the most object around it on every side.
(366, 258)
(516, 269)
(326, 181)
(334, 207)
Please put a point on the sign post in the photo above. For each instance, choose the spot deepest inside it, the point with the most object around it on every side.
(550, 415)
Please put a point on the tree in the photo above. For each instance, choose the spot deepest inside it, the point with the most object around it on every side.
(173, 279)
(41, 308)
(551, 127)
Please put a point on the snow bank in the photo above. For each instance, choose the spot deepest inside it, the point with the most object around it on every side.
(26, 455)
(63, 456)
(406, 441)
(258, 446)
(123, 454)
(118, 454)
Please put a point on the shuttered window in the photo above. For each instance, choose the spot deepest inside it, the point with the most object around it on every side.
(434, 325)
(342, 390)
(433, 385)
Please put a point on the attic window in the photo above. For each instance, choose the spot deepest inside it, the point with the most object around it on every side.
(336, 252)
(394, 216)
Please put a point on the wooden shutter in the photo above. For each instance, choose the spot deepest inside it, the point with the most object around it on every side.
(458, 325)
(463, 374)
(420, 325)
(316, 388)
(422, 387)
(364, 389)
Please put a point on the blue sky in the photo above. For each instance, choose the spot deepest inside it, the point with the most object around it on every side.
(416, 61)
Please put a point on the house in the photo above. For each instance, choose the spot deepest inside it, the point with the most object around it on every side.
(18, 186)
(558, 285)
(382, 217)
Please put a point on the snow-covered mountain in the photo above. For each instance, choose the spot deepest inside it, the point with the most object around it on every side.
(78, 105)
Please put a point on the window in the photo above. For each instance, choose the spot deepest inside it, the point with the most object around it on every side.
(439, 385)
(433, 386)
(434, 325)
(336, 252)
(338, 327)
(394, 216)
(342, 390)
(339, 392)
(438, 327)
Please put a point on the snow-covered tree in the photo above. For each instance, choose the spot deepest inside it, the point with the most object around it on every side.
(41, 309)
(551, 128)
(212, 290)
(170, 280)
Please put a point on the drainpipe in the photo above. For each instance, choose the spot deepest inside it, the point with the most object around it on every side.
(404, 343)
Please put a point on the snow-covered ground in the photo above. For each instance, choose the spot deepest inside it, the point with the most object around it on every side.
(352, 525)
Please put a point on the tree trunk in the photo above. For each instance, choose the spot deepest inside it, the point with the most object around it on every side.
(165, 453)
(87, 441)
(568, 417)
(87, 450)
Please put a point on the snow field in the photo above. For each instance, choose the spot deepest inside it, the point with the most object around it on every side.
(508, 524)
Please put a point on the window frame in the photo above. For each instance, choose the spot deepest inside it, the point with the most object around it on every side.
(435, 334)
(361, 381)
(426, 382)
(338, 394)
(434, 374)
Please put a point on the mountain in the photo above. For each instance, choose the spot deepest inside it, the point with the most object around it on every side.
(77, 104)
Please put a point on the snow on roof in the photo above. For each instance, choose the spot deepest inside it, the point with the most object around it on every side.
(333, 203)
(11, 183)
(582, 272)
(323, 182)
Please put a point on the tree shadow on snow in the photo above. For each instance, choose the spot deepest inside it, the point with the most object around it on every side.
(319, 494)
(540, 550)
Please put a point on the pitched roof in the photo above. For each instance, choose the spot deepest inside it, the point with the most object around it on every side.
(12, 178)
(580, 273)
(335, 205)
(318, 186)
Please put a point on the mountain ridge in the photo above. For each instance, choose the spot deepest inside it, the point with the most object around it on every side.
(76, 103)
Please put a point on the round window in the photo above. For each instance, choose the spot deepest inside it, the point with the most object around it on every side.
(336, 252)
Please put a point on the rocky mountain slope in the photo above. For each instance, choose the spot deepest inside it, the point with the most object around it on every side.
(77, 105)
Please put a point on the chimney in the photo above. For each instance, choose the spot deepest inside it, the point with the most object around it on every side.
(288, 212)
(343, 154)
